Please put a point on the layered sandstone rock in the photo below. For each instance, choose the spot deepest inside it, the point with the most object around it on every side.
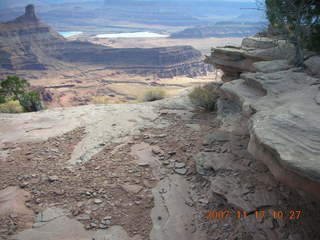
(164, 61)
(282, 106)
(234, 61)
(26, 43)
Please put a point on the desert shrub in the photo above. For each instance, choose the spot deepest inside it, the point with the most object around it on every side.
(154, 95)
(2, 95)
(11, 107)
(2, 99)
(31, 101)
(205, 96)
(13, 87)
(100, 100)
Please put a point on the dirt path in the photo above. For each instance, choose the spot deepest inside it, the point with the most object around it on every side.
(144, 171)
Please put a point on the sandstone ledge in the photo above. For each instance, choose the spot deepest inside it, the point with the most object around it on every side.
(284, 123)
(234, 61)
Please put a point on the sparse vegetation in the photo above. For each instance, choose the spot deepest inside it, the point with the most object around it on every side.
(205, 96)
(13, 87)
(299, 21)
(30, 101)
(15, 93)
(100, 100)
(154, 95)
(11, 107)
(2, 99)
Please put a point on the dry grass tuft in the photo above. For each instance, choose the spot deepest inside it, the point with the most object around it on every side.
(11, 107)
(100, 100)
(154, 95)
(205, 96)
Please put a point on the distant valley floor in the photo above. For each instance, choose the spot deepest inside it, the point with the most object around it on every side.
(74, 84)
(82, 85)
(202, 44)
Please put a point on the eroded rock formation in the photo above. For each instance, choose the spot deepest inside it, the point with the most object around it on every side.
(281, 104)
(236, 60)
(27, 43)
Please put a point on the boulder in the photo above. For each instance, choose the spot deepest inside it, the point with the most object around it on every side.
(313, 65)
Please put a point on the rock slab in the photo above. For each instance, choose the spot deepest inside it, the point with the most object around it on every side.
(284, 123)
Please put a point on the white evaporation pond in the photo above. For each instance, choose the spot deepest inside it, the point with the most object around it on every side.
(69, 34)
(132, 35)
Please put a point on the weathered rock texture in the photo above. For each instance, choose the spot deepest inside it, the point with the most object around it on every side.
(53, 224)
(27, 43)
(234, 61)
(13, 201)
(284, 122)
(138, 153)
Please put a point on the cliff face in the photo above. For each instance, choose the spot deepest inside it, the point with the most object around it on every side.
(283, 112)
(26, 43)
(164, 62)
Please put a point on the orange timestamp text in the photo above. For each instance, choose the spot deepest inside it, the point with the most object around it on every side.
(258, 214)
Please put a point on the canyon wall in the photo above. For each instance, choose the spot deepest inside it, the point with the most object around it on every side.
(28, 44)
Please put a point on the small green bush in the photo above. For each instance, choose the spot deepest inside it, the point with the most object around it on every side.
(30, 101)
(11, 107)
(2, 99)
(13, 87)
(205, 96)
(154, 95)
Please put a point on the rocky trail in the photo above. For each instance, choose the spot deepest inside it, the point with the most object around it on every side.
(140, 171)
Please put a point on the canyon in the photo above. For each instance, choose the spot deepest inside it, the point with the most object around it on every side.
(76, 72)
(155, 170)
(28, 44)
